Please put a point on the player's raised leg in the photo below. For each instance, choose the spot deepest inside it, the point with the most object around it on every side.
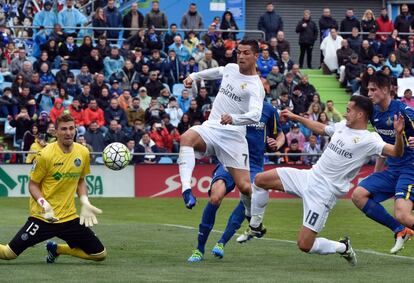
(190, 141)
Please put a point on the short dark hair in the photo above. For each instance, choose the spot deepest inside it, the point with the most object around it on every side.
(380, 80)
(363, 103)
(330, 100)
(65, 117)
(254, 45)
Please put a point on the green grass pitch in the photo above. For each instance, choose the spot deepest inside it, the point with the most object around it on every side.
(141, 248)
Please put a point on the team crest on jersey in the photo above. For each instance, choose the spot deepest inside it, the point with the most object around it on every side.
(77, 162)
(389, 122)
(356, 140)
(243, 86)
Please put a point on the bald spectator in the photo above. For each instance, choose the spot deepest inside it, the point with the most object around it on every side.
(115, 112)
(182, 52)
(282, 44)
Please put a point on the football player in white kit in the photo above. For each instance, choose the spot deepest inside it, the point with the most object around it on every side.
(350, 147)
(239, 102)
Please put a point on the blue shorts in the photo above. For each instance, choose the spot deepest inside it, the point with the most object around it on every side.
(220, 173)
(396, 183)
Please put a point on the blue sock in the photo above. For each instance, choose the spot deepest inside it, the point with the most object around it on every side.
(377, 212)
(233, 224)
(207, 223)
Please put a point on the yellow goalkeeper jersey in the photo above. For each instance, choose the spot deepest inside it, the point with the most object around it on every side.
(58, 174)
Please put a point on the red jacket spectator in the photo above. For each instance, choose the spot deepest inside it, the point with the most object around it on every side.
(161, 137)
(384, 25)
(56, 110)
(77, 113)
(93, 113)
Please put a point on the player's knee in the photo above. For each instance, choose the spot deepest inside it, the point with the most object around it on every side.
(304, 245)
(7, 253)
(403, 217)
(245, 188)
(215, 200)
(100, 256)
(359, 197)
(187, 139)
(259, 180)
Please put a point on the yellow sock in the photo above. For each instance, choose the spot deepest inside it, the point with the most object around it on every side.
(6, 252)
(76, 252)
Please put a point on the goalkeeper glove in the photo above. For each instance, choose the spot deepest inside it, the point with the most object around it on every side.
(88, 211)
(48, 212)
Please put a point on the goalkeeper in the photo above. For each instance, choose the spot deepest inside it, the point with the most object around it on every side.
(57, 173)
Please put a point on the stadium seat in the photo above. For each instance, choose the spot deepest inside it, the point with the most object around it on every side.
(75, 72)
(54, 71)
(165, 160)
(167, 87)
(3, 85)
(177, 89)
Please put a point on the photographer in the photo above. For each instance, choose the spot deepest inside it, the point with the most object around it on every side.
(162, 138)
(174, 111)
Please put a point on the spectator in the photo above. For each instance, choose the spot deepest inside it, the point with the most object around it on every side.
(202, 98)
(332, 114)
(308, 34)
(27, 70)
(103, 46)
(285, 86)
(265, 63)
(137, 130)
(113, 64)
(29, 137)
(71, 87)
(45, 17)
(86, 96)
(133, 19)
(145, 100)
(99, 21)
(314, 111)
(368, 23)
(156, 63)
(169, 36)
(194, 113)
(125, 100)
(406, 73)
(353, 72)
(228, 23)
(366, 53)
(77, 114)
(8, 104)
(45, 99)
(273, 48)
(44, 58)
(23, 123)
(94, 137)
(162, 138)
(297, 75)
(115, 112)
(191, 41)
(39, 144)
(64, 95)
(184, 100)
(174, 112)
(135, 112)
(113, 20)
(63, 74)
(184, 124)
(115, 133)
(349, 22)
(94, 113)
(208, 62)
(152, 40)
(155, 17)
(311, 147)
(26, 100)
(384, 25)
(317, 99)
(144, 74)
(376, 63)
(284, 102)
(404, 56)
(115, 89)
(164, 97)
(355, 40)
(326, 22)
(139, 40)
(366, 77)
(329, 46)
(94, 61)
(221, 54)
(270, 22)
(343, 54)
(306, 88)
(35, 85)
(295, 149)
(84, 77)
(282, 44)
(148, 146)
(57, 110)
(210, 37)
(17, 63)
(192, 67)
(408, 98)
(135, 159)
(192, 19)
(5, 157)
(404, 21)
(71, 17)
(58, 35)
(85, 49)
(395, 67)
(104, 98)
(39, 39)
(154, 112)
(274, 78)
(299, 101)
(180, 50)
(154, 85)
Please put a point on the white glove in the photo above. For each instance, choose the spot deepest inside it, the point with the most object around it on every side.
(48, 212)
(88, 211)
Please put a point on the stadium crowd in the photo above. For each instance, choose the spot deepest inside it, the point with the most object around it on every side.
(126, 85)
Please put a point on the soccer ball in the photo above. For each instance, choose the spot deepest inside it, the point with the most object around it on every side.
(116, 156)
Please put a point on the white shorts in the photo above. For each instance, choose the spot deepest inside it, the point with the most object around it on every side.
(317, 199)
(229, 146)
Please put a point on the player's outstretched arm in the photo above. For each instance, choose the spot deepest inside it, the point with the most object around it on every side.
(255, 109)
(314, 126)
(208, 74)
(88, 211)
(396, 150)
(36, 193)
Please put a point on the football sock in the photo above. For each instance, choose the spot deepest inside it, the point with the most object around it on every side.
(233, 224)
(377, 212)
(6, 252)
(247, 202)
(260, 199)
(186, 163)
(76, 252)
(207, 223)
(324, 246)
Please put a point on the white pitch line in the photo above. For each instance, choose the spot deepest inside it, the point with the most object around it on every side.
(293, 242)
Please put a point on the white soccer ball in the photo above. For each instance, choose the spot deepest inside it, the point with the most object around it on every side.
(116, 156)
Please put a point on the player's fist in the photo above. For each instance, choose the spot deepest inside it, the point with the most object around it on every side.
(47, 210)
(226, 119)
(188, 82)
(411, 142)
(272, 143)
(399, 124)
(287, 114)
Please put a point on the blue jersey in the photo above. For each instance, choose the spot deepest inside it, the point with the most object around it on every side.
(256, 135)
(383, 122)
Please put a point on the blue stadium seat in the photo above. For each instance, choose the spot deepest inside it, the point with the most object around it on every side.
(177, 89)
(54, 71)
(165, 160)
(75, 72)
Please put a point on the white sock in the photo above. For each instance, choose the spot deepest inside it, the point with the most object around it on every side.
(186, 163)
(324, 246)
(260, 199)
(246, 200)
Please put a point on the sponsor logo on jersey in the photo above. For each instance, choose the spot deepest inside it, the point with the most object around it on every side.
(385, 132)
(337, 148)
(67, 175)
(228, 91)
(258, 126)
(58, 164)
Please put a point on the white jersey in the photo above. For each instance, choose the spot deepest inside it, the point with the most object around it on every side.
(344, 156)
(240, 96)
